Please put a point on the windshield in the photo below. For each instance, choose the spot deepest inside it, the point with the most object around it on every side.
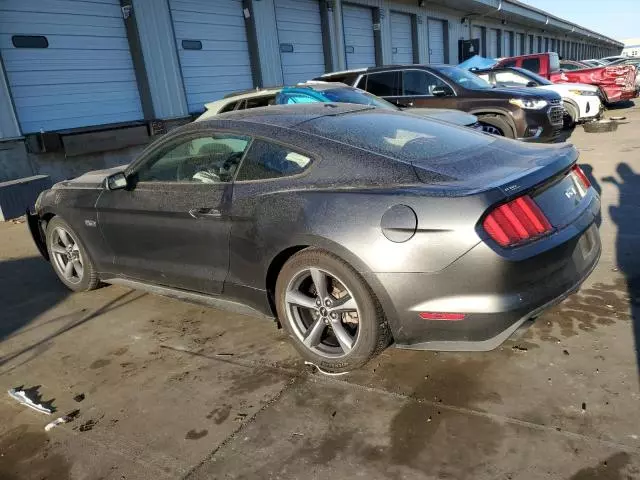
(352, 95)
(535, 77)
(464, 78)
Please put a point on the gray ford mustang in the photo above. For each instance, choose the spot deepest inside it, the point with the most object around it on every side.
(355, 227)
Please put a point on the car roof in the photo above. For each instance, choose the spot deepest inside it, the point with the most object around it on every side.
(386, 68)
(289, 116)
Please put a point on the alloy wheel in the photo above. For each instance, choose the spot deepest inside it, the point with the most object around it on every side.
(323, 313)
(491, 129)
(66, 255)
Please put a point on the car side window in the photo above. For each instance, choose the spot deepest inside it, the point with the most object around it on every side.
(260, 101)
(531, 64)
(485, 77)
(228, 107)
(509, 63)
(266, 160)
(511, 79)
(418, 82)
(569, 66)
(299, 98)
(384, 84)
(204, 159)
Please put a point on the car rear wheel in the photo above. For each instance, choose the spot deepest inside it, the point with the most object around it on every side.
(495, 125)
(69, 257)
(330, 313)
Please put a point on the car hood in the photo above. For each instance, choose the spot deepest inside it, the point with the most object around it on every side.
(456, 117)
(92, 179)
(565, 87)
(525, 92)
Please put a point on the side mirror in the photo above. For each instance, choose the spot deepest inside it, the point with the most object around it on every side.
(117, 181)
(444, 91)
(532, 84)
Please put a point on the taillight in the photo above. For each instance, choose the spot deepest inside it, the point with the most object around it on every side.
(581, 176)
(516, 222)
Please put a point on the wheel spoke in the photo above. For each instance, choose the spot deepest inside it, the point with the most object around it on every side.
(58, 249)
(314, 333)
(320, 282)
(68, 270)
(344, 339)
(64, 238)
(77, 266)
(345, 304)
(295, 297)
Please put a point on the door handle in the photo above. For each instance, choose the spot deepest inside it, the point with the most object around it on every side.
(205, 213)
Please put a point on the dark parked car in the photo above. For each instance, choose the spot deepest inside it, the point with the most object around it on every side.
(354, 226)
(532, 116)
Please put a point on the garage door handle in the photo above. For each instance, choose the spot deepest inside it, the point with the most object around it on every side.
(205, 213)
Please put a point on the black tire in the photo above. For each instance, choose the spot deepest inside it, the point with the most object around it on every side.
(571, 115)
(374, 334)
(497, 122)
(89, 279)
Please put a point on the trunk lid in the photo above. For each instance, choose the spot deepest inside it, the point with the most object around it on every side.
(506, 166)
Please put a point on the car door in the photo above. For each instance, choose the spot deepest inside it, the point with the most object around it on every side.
(424, 89)
(171, 225)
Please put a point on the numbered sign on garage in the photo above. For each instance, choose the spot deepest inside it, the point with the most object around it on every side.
(68, 64)
(300, 38)
(211, 38)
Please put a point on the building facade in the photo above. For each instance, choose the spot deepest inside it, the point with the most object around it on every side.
(631, 48)
(83, 84)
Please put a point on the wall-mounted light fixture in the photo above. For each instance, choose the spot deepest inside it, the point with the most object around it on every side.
(421, 3)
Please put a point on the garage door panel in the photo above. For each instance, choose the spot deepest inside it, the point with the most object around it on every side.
(299, 28)
(87, 63)
(82, 121)
(436, 41)
(223, 64)
(492, 43)
(401, 38)
(97, 9)
(360, 50)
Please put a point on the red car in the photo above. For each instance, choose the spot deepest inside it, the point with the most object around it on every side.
(617, 82)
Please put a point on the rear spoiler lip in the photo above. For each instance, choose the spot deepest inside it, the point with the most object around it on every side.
(540, 176)
(37, 233)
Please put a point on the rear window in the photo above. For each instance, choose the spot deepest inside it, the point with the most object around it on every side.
(554, 62)
(532, 64)
(411, 139)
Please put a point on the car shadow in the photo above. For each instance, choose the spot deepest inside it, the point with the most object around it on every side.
(624, 215)
(588, 171)
(621, 105)
(565, 134)
(30, 288)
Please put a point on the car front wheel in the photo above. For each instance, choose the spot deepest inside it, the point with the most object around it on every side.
(330, 313)
(69, 257)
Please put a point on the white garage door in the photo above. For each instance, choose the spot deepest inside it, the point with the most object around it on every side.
(401, 38)
(68, 64)
(212, 47)
(300, 39)
(436, 41)
(359, 43)
(477, 34)
(492, 43)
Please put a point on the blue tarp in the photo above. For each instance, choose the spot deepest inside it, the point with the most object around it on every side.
(478, 62)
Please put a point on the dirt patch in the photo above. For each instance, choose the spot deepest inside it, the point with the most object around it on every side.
(120, 351)
(248, 381)
(220, 414)
(27, 454)
(102, 362)
(196, 434)
(616, 467)
(587, 310)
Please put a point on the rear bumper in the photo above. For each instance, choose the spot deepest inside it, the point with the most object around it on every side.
(495, 294)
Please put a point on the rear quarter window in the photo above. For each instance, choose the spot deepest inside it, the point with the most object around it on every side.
(266, 160)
